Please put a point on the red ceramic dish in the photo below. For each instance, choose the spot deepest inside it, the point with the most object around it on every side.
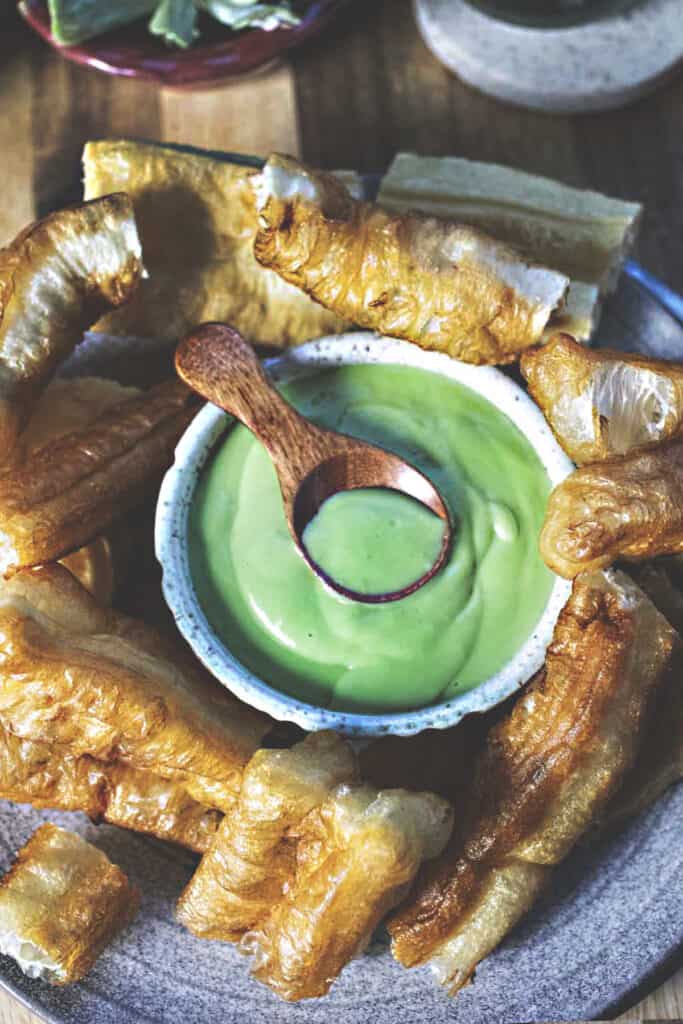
(219, 53)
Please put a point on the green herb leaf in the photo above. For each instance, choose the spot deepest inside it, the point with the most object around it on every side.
(239, 14)
(73, 21)
(176, 22)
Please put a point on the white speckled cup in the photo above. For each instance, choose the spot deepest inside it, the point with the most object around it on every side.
(175, 498)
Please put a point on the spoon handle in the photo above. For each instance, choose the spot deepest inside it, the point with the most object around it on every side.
(222, 367)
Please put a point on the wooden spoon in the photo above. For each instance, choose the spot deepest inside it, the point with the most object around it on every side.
(312, 464)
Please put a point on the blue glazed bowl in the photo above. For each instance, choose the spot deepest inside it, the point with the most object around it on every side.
(175, 498)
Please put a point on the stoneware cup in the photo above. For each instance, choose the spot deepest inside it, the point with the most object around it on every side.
(196, 447)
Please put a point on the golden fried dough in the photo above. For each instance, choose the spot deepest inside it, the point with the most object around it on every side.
(252, 860)
(88, 680)
(56, 279)
(356, 858)
(630, 507)
(197, 221)
(68, 405)
(48, 776)
(434, 282)
(547, 772)
(74, 488)
(62, 902)
(601, 402)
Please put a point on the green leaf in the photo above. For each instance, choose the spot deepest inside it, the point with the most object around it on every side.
(239, 14)
(73, 21)
(176, 22)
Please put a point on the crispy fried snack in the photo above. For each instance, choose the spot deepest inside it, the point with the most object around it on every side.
(600, 402)
(67, 406)
(547, 772)
(62, 902)
(74, 488)
(89, 681)
(630, 507)
(56, 279)
(251, 860)
(197, 220)
(48, 776)
(356, 858)
(434, 282)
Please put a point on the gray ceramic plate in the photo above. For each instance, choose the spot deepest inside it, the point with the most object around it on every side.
(611, 927)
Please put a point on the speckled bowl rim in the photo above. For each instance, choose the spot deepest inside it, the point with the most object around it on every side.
(196, 447)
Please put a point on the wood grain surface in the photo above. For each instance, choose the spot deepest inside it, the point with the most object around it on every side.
(352, 99)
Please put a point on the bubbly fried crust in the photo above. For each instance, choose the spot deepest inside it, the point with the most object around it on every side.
(629, 507)
(77, 486)
(68, 405)
(61, 903)
(252, 859)
(88, 680)
(546, 773)
(601, 402)
(48, 776)
(356, 857)
(197, 221)
(437, 283)
(56, 279)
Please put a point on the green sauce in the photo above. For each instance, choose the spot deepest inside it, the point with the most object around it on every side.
(374, 541)
(304, 639)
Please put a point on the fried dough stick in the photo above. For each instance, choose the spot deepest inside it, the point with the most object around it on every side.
(99, 685)
(252, 859)
(547, 772)
(56, 279)
(61, 903)
(629, 507)
(437, 283)
(47, 776)
(600, 402)
(74, 488)
(356, 857)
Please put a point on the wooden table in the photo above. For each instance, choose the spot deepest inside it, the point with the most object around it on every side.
(368, 89)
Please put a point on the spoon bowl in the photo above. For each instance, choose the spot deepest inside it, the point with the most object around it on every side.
(312, 464)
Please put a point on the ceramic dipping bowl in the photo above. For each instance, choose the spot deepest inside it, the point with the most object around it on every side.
(175, 498)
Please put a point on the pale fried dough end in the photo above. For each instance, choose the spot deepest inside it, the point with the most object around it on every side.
(601, 402)
(61, 903)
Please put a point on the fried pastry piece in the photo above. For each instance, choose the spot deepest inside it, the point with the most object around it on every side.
(56, 279)
(630, 507)
(547, 772)
(69, 405)
(601, 402)
(87, 679)
(48, 776)
(74, 488)
(197, 221)
(584, 234)
(252, 859)
(437, 283)
(356, 858)
(61, 903)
